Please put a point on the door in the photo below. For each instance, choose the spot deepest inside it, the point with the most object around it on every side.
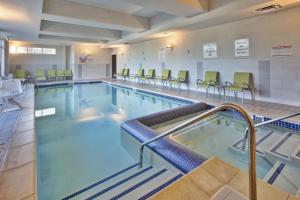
(114, 65)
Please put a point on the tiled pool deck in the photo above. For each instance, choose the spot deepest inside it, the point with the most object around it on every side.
(17, 141)
(203, 182)
(17, 174)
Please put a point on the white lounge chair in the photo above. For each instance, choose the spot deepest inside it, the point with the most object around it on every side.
(10, 89)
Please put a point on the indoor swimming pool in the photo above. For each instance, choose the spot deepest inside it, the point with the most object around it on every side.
(78, 133)
(222, 136)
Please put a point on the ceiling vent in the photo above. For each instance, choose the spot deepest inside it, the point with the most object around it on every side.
(270, 8)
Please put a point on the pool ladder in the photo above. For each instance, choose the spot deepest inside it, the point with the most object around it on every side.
(250, 129)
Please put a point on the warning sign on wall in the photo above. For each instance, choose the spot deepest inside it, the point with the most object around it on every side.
(282, 50)
(210, 50)
(241, 47)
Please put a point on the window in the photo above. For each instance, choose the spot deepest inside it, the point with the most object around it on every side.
(14, 50)
(34, 50)
(45, 112)
(31, 50)
(50, 51)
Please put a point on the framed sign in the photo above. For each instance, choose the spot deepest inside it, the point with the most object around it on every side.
(210, 50)
(282, 50)
(241, 47)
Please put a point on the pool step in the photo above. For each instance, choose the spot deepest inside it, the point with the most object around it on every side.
(296, 157)
(264, 139)
(285, 147)
(130, 183)
(284, 176)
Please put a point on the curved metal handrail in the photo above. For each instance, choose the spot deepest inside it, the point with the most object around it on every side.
(252, 155)
(265, 123)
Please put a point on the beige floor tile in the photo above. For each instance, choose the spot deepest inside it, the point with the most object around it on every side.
(264, 190)
(220, 169)
(183, 189)
(31, 197)
(291, 197)
(25, 118)
(205, 181)
(17, 183)
(22, 138)
(19, 156)
(24, 126)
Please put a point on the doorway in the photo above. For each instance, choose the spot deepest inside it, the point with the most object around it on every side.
(113, 65)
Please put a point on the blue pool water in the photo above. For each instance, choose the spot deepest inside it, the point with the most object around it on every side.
(78, 133)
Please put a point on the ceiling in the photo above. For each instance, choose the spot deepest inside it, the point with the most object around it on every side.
(111, 22)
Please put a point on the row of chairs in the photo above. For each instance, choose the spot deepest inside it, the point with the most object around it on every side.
(40, 74)
(165, 78)
(243, 81)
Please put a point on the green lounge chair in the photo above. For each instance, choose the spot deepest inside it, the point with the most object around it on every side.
(60, 73)
(125, 73)
(165, 76)
(21, 75)
(51, 74)
(138, 75)
(211, 79)
(182, 78)
(149, 76)
(40, 75)
(242, 81)
(68, 74)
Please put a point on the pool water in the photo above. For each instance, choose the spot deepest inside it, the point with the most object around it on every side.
(213, 139)
(219, 135)
(78, 133)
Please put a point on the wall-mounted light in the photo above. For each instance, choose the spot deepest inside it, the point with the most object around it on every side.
(169, 46)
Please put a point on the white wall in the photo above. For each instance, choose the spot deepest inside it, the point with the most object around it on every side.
(98, 64)
(265, 31)
(31, 62)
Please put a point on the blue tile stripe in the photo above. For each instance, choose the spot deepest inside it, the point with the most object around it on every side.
(274, 150)
(161, 187)
(276, 173)
(165, 96)
(100, 182)
(139, 184)
(264, 138)
(120, 183)
(65, 83)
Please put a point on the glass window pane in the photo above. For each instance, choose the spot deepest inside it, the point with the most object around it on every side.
(34, 50)
(21, 49)
(51, 51)
(13, 49)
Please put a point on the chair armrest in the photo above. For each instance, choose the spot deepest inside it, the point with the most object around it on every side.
(210, 82)
(227, 84)
(245, 85)
(199, 81)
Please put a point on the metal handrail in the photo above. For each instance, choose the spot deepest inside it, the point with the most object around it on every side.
(252, 155)
(265, 123)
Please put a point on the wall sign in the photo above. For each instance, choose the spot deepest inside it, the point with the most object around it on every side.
(85, 59)
(210, 50)
(282, 50)
(241, 47)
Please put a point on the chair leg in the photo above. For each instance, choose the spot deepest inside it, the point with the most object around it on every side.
(243, 96)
